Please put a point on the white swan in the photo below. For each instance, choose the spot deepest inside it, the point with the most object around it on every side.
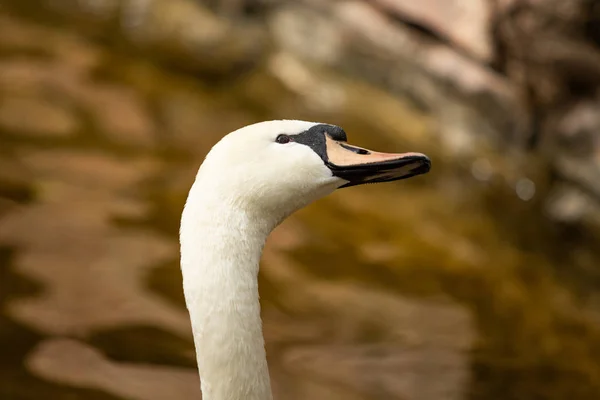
(249, 182)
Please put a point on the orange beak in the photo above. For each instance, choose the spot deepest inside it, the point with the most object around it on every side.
(359, 166)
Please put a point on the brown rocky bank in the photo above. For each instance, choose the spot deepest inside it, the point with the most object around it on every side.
(460, 284)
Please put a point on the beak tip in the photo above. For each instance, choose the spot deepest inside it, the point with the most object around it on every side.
(427, 164)
(423, 165)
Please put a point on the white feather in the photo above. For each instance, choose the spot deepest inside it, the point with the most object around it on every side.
(246, 186)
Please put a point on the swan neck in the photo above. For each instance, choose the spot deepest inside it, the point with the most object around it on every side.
(221, 248)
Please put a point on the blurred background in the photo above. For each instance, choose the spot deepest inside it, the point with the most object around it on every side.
(477, 281)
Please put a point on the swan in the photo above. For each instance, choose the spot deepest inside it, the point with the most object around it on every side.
(249, 182)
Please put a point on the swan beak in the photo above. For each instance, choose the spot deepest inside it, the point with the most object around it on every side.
(359, 166)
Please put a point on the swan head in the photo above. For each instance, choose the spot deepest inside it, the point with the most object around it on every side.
(286, 164)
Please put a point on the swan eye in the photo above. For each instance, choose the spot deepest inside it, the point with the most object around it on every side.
(283, 139)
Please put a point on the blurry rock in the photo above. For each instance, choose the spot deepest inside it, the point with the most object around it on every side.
(569, 204)
(471, 102)
(466, 24)
(319, 92)
(546, 53)
(36, 117)
(584, 172)
(181, 32)
(572, 143)
(563, 15)
(550, 51)
(578, 131)
(178, 28)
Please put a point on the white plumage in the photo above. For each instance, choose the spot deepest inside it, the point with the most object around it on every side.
(249, 182)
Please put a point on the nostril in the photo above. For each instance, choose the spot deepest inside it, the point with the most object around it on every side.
(356, 150)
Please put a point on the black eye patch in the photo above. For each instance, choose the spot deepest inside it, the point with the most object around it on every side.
(315, 138)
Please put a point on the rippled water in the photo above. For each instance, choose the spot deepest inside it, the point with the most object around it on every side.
(446, 286)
